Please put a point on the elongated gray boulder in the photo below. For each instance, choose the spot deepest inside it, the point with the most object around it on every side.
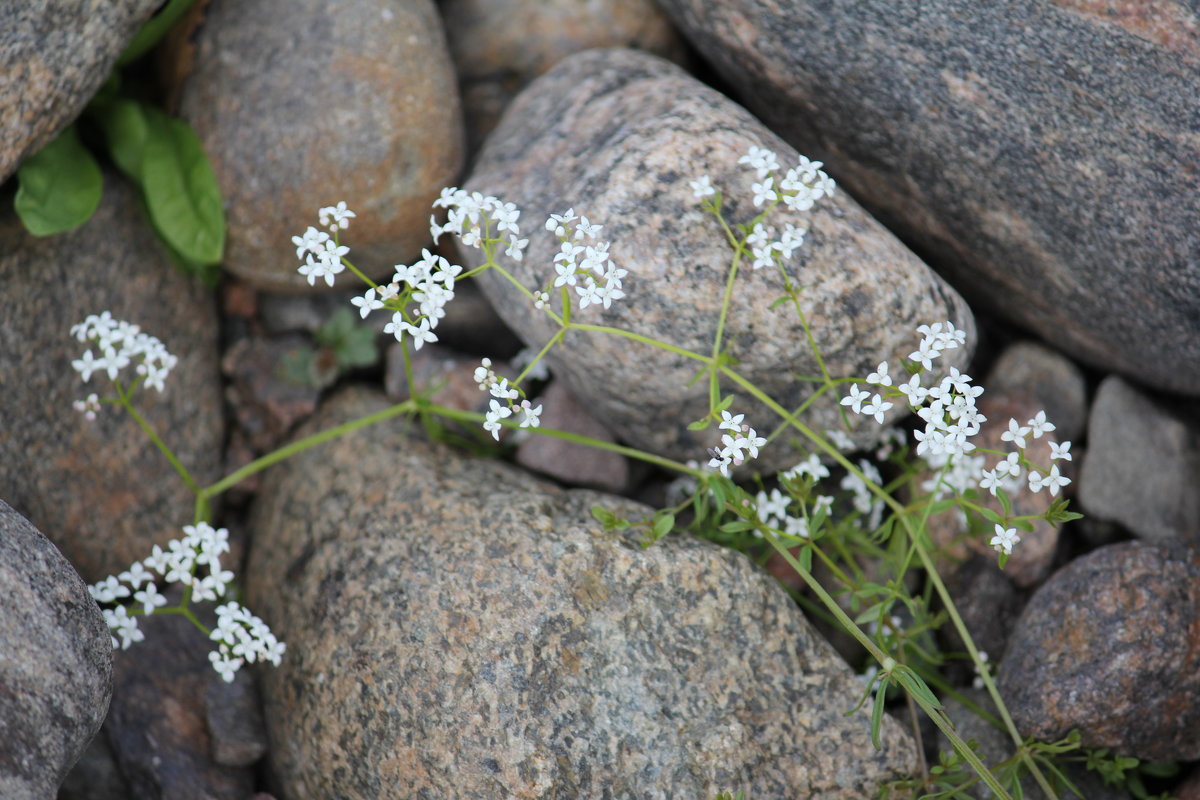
(1041, 153)
(619, 135)
(54, 55)
(457, 629)
(55, 662)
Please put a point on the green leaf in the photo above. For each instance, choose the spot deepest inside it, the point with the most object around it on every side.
(990, 516)
(877, 715)
(664, 523)
(737, 526)
(125, 131)
(913, 683)
(154, 29)
(805, 558)
(181, 190)
(1005, 503)
(699, 424)
(59, 187)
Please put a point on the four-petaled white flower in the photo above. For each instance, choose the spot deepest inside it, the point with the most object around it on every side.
(702, 187)
(855, 398)
(1060, 452)
(1004, 539)
(1016, 434)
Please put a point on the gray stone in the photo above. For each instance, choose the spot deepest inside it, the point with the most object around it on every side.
(56, 669)
(988, 602)
(1143, 464)
(499, 47)
(1107, 645)
(95, 775)
(233, 716)
(1041, 154)
(573, 464)
(305, 103)
(158, 723)
(457, 629)
(54, 55)
(101, 490)
(618, 135)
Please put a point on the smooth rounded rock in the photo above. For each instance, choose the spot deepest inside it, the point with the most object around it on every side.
(1041, 153)
(457, 629)
(500, 46)
(1050, 379)
(1142, 467)
(101, 490)
(55, 662)
(54, 55)
(304, 103)
(618, 135)
(1108, 645)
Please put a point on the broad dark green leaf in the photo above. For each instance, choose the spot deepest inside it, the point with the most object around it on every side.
(181, 190)
(59, 187)
(125, 131)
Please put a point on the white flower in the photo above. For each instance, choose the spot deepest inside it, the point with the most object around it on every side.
(1039, 426)
(855, 398)
(136, 575)
(1010, 466)
(313, 241)
(764, 192)
(840, 439)
(559, 222)
(334, 217)
(1004, 539)
(108, 590)
(532, 418)
(991, 481)
(880, 376)
(516, 248)
(367, 303)
(1016, 434)
(493, 417)
(150, 598)
(420, 334)
(1051, 481)
(702, 187)
(729, 422)
(771, 507)
(810, 466)
(762, 160)
(89, 406)
(502, 392)
(876, 408)
(1058, 452)
(484, 375)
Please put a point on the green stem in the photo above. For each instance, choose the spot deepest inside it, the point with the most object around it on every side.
(188, 480)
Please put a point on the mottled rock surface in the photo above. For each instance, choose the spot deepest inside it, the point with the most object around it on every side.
(157, 725)
(54, 54)
(268, 399)
(988, 602)
(1041, 154)
(101, 490)
(500, 46)
(457, 629)
(618, 135)
(1048, 378)
(571, 463)
(1142, 467)
(301, 104)
(55, 662)
(1108, 645)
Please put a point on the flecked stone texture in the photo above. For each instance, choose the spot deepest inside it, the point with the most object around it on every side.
(158, 722)
(55, 662)
(1048, 378)
(233, 715)
(1108, 645)
(54, 54)
(1142, 467)
(573, 464)
(618, 135)
(499, 47)
(1041, 154)
(303, 103)
(457, 629)
(101, 490)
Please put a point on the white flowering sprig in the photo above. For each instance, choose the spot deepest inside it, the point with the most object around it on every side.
(582, 262)
(739, 445)
(324, 256)
(194, 563)
(505, 401)
(120, 344)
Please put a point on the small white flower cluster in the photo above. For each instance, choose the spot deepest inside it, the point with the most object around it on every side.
(120, 344)
(201, 546)
(241, 638)
(737, 446)
(321, 252)
(1007, 473)
(769, 250)
(586, 274)
(865, 500)
(773, 508)
(470, 215)
(501, 391)
(1004, 539)
(429, 282)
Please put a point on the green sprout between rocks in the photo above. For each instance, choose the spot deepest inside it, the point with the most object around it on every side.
(866, 537)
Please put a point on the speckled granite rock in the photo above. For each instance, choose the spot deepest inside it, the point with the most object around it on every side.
(56, 663)
(54, 54)
(101, 490)
(157, 725)
(457, 629)
(303, 103)
(618, 135)
(499, 47)
(1108, 645)
(1042, 154)
(1142, 467)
